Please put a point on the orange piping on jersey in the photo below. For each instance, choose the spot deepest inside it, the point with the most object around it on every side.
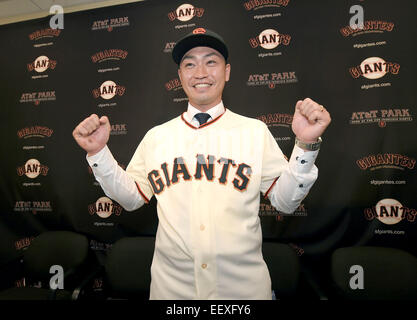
(203, 125)
(270, 188)
(142, 194)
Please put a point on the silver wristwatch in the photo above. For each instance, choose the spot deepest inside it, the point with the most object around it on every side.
(309, 146)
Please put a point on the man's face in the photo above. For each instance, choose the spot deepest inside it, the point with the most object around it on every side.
(203, 73)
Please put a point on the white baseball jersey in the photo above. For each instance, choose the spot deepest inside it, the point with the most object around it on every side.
(207, 182)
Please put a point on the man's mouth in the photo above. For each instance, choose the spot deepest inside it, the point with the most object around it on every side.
(202, 85)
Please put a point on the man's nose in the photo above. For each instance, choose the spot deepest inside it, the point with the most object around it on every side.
(200, 71)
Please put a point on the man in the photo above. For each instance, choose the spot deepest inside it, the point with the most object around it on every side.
(207, 169)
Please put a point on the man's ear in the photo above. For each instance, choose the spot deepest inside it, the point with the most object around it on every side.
(228, 69)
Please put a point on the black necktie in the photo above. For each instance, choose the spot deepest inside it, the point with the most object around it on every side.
(202, 117)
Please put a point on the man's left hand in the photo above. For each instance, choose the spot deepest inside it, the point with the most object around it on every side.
(310, 120)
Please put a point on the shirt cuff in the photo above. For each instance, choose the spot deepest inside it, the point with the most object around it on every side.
(302, 161)
(102, 161)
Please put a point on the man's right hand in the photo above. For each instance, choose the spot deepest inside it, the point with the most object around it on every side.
(92, 134)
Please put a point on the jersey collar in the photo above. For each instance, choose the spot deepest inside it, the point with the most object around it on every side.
(215, 113)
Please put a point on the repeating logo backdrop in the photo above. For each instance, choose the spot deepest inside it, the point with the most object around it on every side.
(117, 62)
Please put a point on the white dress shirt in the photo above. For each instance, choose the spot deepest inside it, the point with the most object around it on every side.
(214, 112)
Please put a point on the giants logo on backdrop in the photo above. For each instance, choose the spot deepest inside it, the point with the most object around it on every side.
(390, 211)
(386, 160)
(35, 132)
(40, 65)
(104, 208)
(381, 116)
(254, 5)
(32, 169)
(373, 26)
(374, 68)
(33, 206)
(23, 243)
(277, 120)
(271, 80)
(258, 4)
(184, 13)
(266, 209)
(110, 23)
(108, 90)
(174, 85)
(44, 34)
(109, 55)
(37, 97)
(269, 39)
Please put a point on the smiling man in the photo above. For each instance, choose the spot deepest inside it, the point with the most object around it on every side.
(207, 169)
(203, 74)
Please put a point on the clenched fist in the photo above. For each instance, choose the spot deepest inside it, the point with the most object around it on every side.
(310, 120)
(92, 134)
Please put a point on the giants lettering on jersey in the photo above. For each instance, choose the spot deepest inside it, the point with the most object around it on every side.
(205, 167)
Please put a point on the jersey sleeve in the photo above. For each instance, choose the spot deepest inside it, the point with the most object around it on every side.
(137, 169)
(114, 181)
(286, 183)
(273, 162)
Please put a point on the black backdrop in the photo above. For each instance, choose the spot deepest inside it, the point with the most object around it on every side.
(367, 157)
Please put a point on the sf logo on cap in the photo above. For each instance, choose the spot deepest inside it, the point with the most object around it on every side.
(199, 31)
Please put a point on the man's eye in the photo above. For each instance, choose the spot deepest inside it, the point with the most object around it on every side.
(211, 62)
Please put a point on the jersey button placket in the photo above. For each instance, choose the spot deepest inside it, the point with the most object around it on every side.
(203, 205)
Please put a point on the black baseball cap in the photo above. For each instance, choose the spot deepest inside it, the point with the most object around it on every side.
(199, 37)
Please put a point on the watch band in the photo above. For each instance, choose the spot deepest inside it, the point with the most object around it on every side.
(309, 146)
